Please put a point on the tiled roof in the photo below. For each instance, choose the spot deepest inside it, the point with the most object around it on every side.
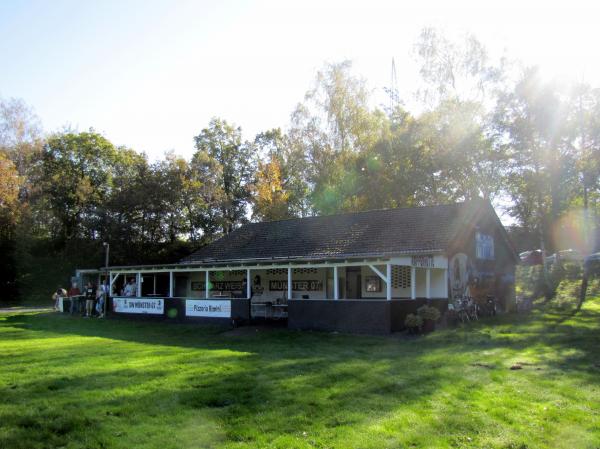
(360, 234)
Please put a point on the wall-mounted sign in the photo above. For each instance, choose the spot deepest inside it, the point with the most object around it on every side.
(297, 286)
(152, 306)
(208, 308)
(220, 286)
(423, 262)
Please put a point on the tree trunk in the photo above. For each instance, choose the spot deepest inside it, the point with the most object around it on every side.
(583, 291)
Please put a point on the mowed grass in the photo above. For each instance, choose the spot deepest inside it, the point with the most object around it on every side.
(74, 383)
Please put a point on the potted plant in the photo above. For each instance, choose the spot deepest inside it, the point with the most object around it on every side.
(413, 323)
(429, 315)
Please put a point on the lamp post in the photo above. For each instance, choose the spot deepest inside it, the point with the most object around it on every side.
(107, 247)
(107, 288)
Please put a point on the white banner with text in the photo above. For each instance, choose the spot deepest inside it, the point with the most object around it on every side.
(208, 308)
(153, 306)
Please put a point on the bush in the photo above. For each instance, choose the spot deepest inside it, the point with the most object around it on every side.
(412, 321)
(429, 313)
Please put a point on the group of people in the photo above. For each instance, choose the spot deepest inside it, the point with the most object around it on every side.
(95, 298)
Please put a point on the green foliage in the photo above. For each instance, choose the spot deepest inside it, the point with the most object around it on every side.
(226, 167)
(76, 178)
(428, 313)
(413, 321)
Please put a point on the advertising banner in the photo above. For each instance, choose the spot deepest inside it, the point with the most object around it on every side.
(208, 308)
(153, 306)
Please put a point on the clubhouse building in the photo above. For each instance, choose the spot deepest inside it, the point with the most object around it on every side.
(354, 272)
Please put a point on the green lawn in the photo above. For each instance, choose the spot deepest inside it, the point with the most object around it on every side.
(68, 382)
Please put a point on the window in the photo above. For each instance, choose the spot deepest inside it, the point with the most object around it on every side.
(484, 246)
(373, 284)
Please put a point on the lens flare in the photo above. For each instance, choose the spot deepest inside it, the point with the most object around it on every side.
(571, 232)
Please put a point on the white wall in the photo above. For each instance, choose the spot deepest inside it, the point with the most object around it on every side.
(421, 282)
(438, 281)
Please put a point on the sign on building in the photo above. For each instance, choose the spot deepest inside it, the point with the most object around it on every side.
(217, 285)
(423, 262)
(152, 306)
(297, 286)
(208, 308)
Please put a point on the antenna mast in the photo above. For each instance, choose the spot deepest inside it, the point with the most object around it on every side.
(394, 97)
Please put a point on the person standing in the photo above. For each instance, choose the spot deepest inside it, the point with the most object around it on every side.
(100, 298)
(57, 298)
(130, 288)
(90, 296)
(74, 295)
(107, 294)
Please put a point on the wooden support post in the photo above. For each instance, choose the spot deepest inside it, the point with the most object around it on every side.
(206, 286)
(289, 290)
(413, 283)
(112, 281)
(428, 283)
(336, 284)
(446, 283)
(388, 282)
(248, 284)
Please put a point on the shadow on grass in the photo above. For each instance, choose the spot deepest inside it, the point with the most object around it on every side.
(257, 396)
(261, 387)
(546, 327)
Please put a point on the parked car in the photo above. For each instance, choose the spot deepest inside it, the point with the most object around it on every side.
(570, 254)
(565, 255)
(533, 257)
(591, 263)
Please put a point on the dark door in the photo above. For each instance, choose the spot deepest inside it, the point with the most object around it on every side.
(181, 284)
(353, 283)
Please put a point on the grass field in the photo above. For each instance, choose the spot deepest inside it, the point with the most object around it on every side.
(74, 383)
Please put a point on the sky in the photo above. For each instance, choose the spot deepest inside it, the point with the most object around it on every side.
(151, 74)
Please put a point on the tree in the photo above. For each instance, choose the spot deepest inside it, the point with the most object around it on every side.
(463, 161)
(280, 188)
(456, 70)
(531, 120)
(76, 175)
(10, 183)
(271, 200)
(186, 200)
(20, 139)
(225, 167)
(584, 127)
(342, 100)
(331, 128)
